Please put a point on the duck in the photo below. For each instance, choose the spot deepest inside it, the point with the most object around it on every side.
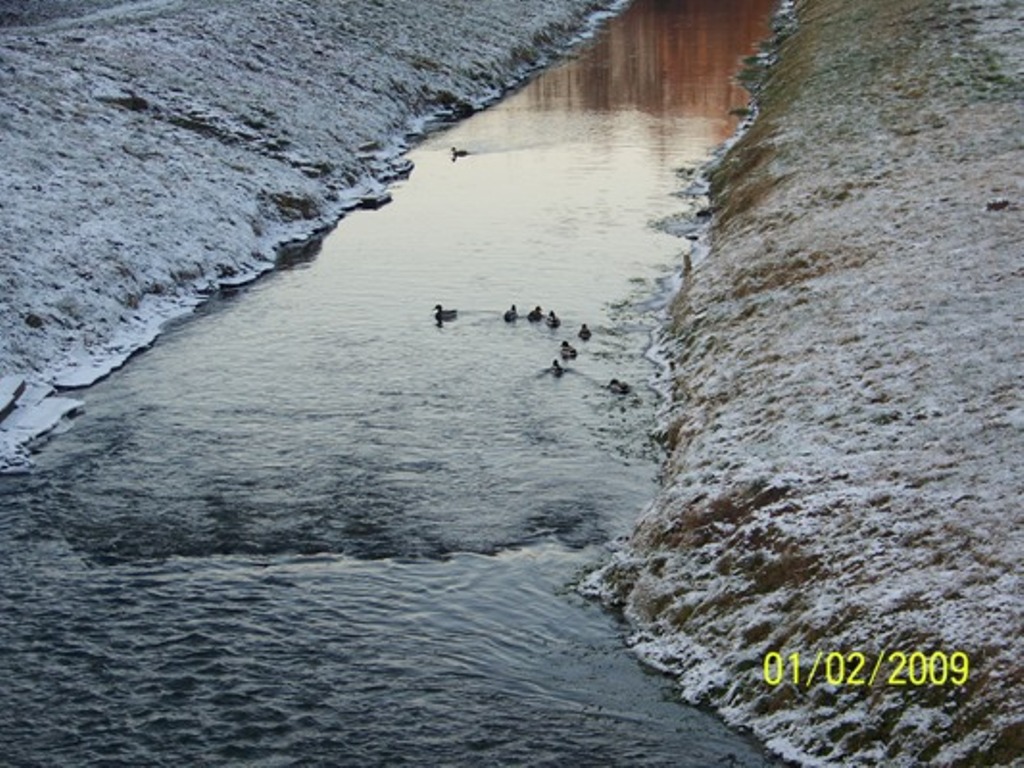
(568, 351)
(511, 314)
(619, 387)
(441, 314)
(536, 315)
(584, 333)
(457, 153)
(556, 368)
(553, 321)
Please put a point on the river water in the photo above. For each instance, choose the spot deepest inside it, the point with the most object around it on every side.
(314, 527)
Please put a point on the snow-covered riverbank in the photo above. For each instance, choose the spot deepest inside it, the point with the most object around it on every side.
(847, 428)
(153, 151)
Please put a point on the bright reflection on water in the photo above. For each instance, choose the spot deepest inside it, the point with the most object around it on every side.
(313, 527)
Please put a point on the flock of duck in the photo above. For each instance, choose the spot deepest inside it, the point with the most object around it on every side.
(536, 315)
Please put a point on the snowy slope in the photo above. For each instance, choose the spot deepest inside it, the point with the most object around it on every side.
(150, 151)
(847, 416)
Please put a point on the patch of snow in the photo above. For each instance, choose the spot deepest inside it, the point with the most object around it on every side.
(11, 388)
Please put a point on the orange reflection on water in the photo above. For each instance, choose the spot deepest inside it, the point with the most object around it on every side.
(667, 58)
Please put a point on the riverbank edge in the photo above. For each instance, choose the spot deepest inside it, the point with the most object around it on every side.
(298, 221)
(844, 470)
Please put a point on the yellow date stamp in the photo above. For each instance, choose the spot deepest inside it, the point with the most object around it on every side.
(855, 668)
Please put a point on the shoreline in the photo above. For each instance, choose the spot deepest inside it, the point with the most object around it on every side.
(845, 438)
(139, 183)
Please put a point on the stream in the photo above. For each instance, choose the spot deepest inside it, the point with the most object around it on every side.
(313, 526)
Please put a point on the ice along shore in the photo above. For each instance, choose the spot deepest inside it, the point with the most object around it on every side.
(152, 152)
(847, 430)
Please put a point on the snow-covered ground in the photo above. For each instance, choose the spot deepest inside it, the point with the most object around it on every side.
(152, 151)
(847, 421)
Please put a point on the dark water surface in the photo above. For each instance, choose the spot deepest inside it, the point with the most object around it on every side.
(314, 528)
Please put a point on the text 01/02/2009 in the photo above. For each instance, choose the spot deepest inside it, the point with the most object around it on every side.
(857, 668)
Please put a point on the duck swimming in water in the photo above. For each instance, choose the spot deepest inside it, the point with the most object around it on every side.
(568, 351)
(556, 368)
(536, 315)
(553, 321)
(619, 387)
(584, 333)
(511, 314)
(441, 314)
(457, 153)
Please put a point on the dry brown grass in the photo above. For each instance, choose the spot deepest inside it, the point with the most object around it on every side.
(704, 520)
